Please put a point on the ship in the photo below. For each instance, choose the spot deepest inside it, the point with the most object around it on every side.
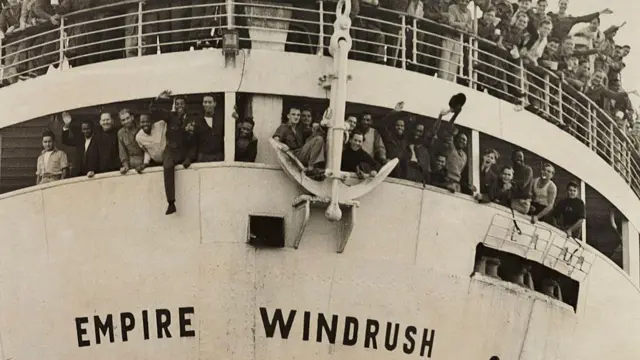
(263, 261)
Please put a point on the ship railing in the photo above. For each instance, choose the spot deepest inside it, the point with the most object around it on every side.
(540, 243)
(133, 29)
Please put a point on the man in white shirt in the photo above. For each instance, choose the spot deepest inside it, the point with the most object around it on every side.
(152, 140)
(52, 163)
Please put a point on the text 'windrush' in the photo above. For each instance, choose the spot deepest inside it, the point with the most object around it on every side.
(364, 332)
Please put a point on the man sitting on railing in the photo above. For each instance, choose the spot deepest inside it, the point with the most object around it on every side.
(309, 153)
(180, 147)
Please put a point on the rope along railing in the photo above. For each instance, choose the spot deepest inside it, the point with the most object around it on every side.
(132, 28)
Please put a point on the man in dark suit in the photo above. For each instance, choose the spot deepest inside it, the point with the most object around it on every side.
(87, 159)
(209, 132)
(180, 148)
(108, 150)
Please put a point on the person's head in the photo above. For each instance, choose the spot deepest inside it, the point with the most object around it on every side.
(568, 45)
(87, 129)
(584, 66)
(145, 122)
(545, 27)
(245, 128)
(398, 126)
(366, 121)
(524, 5)
(542, 6)
(553, 44)
(106, 122)
(440, 161)
(418, 132)
(626, 50)
(48, 140)
(562, 6)
(293, 116)
(617, 52)
(594, 24)
(306, 116)
(489, 15)
(547, 171)
(463, 4)
(127, 119)
(506, 174)
(522, 21)
(597, 78)
(460, 141)
(181, 105)
(351, 122)
(356, 140)
(208, 104)
(490, 157)
(572, 63)
(517, 158)
(614, 84)
(573, 189)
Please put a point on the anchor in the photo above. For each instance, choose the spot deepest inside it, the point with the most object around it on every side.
(337, 189)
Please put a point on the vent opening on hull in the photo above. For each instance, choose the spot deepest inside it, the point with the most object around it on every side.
(266, 231)
(526, 273)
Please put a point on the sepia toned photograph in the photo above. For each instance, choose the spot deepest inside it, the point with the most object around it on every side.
(319, 179)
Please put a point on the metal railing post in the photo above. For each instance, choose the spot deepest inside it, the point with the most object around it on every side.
(140, 28)
(590, 127)
(403, 36)
(414, 57)
(472, 56)
(461, 60)
(546, 94)
(2, 59)
(612, 145)
(523, 89)
(231, 14)
(320, 51)
(560, 101)
(61, 50)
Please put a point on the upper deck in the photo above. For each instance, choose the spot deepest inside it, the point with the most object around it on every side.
(71, 50)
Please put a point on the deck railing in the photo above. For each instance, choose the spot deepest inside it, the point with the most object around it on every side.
(133, 28)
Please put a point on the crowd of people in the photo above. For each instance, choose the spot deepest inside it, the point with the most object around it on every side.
(572, 49)
(427, 159)
(167, 135)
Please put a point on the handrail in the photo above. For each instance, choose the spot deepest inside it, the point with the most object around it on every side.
(473, 61)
